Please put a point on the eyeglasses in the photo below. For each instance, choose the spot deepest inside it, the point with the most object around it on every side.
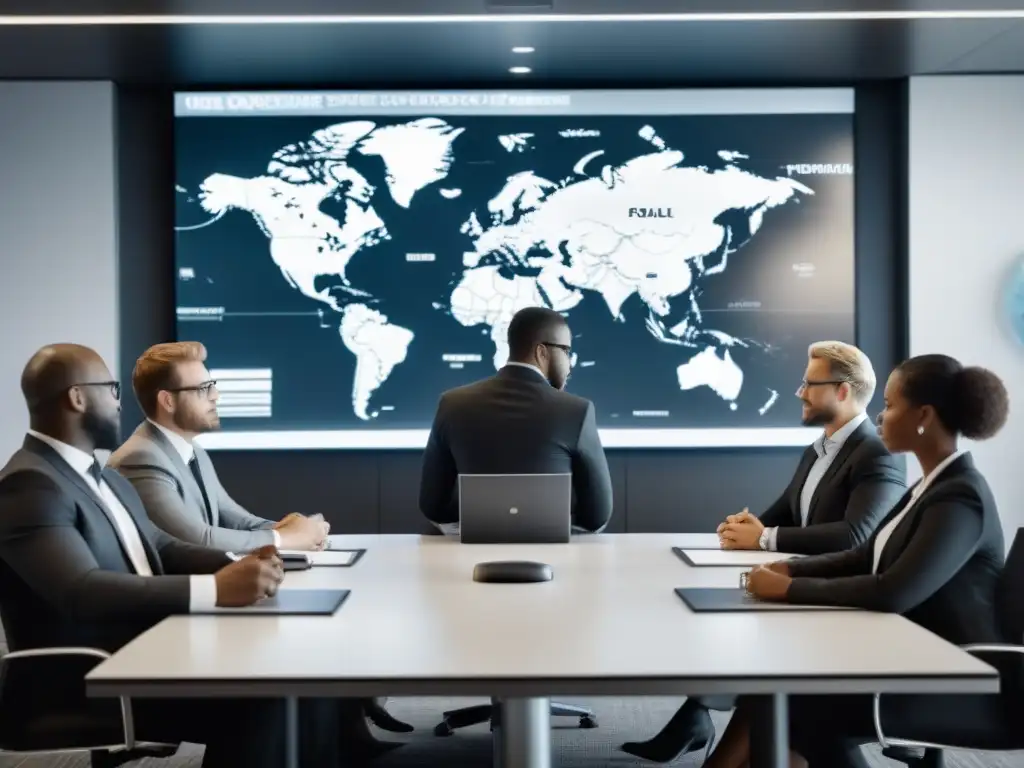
(205, 389)
(564, 347)
(805, 384)
(115, 386)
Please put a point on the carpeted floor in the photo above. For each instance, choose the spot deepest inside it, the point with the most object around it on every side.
(620, 720)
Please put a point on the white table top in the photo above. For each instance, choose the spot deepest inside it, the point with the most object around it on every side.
(608, 623)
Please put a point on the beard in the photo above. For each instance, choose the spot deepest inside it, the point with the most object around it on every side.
(104, 433)
(818, 417)
(196, 423)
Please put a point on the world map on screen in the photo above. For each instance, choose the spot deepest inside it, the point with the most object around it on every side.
(400, 231)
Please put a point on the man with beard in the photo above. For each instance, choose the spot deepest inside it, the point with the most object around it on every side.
(181, 491)
(174, 475)
(845, 484)
(520, 421)
(82, 565)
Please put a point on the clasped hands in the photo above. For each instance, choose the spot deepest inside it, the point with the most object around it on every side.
(301, 532)
(742, 531)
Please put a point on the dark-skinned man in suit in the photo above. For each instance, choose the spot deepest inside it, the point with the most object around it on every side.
(81, 564)
(520, 421)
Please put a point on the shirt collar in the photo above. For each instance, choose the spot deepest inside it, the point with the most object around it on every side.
(531, 367)
(79, 460)
(179, 443)
(831, 445)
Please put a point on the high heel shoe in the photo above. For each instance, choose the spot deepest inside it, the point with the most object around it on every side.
(384, 719)
(689, 730)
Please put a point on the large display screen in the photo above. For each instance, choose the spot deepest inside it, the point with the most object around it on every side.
(347, 256)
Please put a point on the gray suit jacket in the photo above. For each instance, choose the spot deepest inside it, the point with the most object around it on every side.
(174, 501)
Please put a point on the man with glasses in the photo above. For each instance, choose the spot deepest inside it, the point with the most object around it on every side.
(181, 492)
(845, 484)
(520, 421)
(82, 565)
(174, 475)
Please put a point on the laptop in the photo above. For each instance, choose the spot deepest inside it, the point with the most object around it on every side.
(515, 509)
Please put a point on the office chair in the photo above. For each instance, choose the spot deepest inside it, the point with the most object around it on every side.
(481, 713)
(929, 753)
(110, 742)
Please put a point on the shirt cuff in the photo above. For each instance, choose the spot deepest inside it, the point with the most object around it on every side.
(277, 539)
(770, 539)
(202, 593)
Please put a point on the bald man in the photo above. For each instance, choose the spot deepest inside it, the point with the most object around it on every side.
(82, 565)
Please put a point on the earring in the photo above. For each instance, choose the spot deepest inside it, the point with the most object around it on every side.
(920, 430)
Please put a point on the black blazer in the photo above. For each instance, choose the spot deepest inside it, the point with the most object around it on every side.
(515, 423)
(857, 490)
(65, 578)
(940, 568)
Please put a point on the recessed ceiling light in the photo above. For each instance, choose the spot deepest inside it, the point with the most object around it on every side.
(523, 49)
(520, 70)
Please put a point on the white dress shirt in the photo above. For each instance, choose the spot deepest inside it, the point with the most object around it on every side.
(827, 448)
(887, 530)
(187, 453)
(202, 589)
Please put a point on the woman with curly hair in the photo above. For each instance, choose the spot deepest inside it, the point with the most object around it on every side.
(936, 559)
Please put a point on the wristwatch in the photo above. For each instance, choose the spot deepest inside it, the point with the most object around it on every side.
(762, 541)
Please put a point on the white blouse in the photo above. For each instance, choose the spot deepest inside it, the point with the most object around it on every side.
(887, 530)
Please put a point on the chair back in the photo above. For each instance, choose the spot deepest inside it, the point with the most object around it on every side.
(1010, 595)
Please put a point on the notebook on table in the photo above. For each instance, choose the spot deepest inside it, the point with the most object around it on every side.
(288, 602)
(730, 599)
(335, 558)
(728, 558)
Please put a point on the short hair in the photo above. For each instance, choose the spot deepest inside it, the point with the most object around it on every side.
(530, 327)
(969, 401)
(847, 364)
(157, 369)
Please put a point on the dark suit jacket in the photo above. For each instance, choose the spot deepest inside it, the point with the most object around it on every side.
(515, 423)
(65, 578)
(857, 490)
(940, 568)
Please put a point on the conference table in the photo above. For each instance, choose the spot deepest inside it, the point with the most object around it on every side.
(608, 624)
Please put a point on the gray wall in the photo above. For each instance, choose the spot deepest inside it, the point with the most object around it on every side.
(967, 176)
(57, 224)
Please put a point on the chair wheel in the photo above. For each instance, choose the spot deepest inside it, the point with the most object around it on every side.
(443, 729)
(587, 721)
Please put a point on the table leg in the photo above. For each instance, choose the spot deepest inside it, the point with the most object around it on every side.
(291, 732)
(525, 738)
(769, 731)
(497, 735)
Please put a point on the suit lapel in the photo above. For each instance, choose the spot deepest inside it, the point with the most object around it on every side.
(205, 472)
(802, 471)
(855, 439)
(84, 491)
(188, 482)
(134, 513)
(904, 529)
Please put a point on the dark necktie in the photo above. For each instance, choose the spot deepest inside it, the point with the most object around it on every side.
(194, 466)
(96, 471)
